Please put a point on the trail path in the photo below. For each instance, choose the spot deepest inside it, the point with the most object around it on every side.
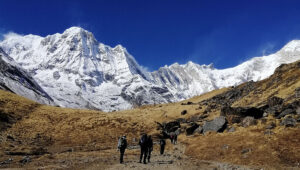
(172, 160)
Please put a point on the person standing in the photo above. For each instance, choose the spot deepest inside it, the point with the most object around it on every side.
(144, 148)
(150, 147)
(162, 144)
(122, 145)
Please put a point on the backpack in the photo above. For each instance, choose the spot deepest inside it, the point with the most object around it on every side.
(121, 143)
(143, 140)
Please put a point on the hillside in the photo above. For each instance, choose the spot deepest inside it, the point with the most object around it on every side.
(35, 135)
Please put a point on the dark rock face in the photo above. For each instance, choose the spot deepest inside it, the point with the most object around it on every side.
(190, 130)
(249, 121)
(217, 125)
(236, 115)
(288, 122)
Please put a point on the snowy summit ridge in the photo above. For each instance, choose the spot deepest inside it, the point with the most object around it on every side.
(78, 71)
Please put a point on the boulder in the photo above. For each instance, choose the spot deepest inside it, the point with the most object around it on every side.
(271, 126)
(232, 129)
(249, 121)
(217, 125)
(184, 112)
(190, 130)
(288, 122)
(189, 103)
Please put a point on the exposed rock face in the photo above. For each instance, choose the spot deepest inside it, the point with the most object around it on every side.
(77, 71)
(16, 80)
(216, 125)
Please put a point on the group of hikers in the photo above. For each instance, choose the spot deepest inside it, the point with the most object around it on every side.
(146, 146)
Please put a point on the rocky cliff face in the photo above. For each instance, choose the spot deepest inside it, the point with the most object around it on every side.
(79, 72)
(15, 79)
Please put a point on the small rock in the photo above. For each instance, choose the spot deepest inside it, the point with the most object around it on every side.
(268, 132)
(203, 116)
(288, 122)
(6, 161)
(271, 126)
(184, 112)
(232, 129)
(249, 121)
(265, 114)
(246, 151)
(225, 147)
(285, 112)
(10, 138)
(25, 159)
(298, 111)
(263, 121)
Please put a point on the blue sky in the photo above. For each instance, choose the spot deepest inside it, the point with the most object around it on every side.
(161, 32)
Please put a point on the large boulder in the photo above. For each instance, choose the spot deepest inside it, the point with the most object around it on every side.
(217, 125)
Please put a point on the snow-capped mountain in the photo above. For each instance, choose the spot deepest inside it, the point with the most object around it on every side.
(77, 71)
(15, 79)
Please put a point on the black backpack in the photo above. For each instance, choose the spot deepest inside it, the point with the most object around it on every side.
(143, 140)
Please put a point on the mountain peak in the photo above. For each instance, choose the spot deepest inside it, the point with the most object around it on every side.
(74, 30)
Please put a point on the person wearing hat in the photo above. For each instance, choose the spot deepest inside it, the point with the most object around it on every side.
(122, 145)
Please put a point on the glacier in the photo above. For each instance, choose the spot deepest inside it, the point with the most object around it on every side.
(77, 71)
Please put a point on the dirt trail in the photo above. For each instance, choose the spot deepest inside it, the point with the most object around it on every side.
(171, 160)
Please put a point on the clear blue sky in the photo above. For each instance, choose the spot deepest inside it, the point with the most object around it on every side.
(160, 32)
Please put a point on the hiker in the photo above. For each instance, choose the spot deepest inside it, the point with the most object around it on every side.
(122, 145)
(150, 147)
(175, 139)
(172, 138)
(144, 148)
(162, 144)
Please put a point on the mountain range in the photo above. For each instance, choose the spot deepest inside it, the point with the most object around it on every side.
(75, 70)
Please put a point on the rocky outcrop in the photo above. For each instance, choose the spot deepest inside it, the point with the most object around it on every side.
(216, 125)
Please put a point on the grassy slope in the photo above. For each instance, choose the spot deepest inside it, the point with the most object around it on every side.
(57, 128)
